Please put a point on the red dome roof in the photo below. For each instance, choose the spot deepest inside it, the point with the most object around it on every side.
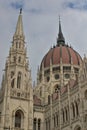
(63, 52)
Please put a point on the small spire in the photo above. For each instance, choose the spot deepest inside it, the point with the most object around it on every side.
(60, 39)
(19, 26)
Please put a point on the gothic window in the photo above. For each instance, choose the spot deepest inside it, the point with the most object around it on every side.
(56, 76)
(77, 111)
(16, 45)
(0, 117)
(49, 123)
(14, 59)
(66, 68)
(39, 124)
(18, 119)
(12, 82)
(56, 69)
(66, 114)
(12, 74)
(48, 99)
(57, 119)
(77, 128)
(54, 121)
(48, 78)
(35, 121)
(19, 44)
(19, 80)
(63, 116)
(19, 59)
(73, 110)
(46, 125)
(85, 94)
(85, 118)
(41, 91)
(67, 76)
(86, 65)
(57, 88)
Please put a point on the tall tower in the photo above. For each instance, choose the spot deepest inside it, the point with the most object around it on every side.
(17, 102)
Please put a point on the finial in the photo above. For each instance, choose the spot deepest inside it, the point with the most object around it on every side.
(19, 26)
(60, 39)
(59, 19)
(20, 10)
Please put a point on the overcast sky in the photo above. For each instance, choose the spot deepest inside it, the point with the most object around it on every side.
(40, 22)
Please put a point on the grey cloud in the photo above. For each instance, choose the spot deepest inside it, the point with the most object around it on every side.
(79, 5)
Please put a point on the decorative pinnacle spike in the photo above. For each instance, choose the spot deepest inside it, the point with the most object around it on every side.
(59, 19)
(20, 10)
(60, 39)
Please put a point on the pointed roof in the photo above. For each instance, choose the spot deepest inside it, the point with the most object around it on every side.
(60, 39)
(19, 26)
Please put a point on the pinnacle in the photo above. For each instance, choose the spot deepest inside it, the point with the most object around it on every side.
(60, 39)
(19, 26)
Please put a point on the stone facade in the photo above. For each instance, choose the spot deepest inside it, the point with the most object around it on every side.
(59, 99)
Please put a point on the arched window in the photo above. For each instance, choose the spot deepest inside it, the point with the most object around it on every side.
(19, 80)
(48, 78)
(57, 121)
(39, 124)
(66, 114)
(57, 88)
(18, 119)
(63, 116)
(12, 82)
(54, 122)
(0, 117)
(85, 118)
(41, 91)
(56, 76)
(77, 111)
(77, 128)
(19, 59)
(19, 44)
(73, 110)
(16, 44)
(12, 74)
(85, 94)
(48, 99)
(46, 125)
(34, 124)
(49, 124)
(14, 59)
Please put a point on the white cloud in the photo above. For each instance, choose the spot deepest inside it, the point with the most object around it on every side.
(40, 19)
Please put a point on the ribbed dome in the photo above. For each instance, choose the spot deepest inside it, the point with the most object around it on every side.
(62, 53)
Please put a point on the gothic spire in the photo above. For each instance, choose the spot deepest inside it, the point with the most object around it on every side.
(60, 39)
(19, 26)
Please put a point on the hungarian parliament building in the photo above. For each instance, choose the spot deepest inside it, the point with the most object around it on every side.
(58, 101)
